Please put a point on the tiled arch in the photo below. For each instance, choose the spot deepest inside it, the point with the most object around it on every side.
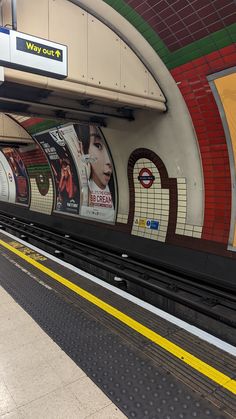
(169, 184)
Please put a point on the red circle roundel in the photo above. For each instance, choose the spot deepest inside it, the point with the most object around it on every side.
(146, 178)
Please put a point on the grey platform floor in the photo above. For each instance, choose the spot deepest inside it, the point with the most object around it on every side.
(140, 378)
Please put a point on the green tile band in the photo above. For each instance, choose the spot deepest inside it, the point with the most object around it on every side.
(42, 126)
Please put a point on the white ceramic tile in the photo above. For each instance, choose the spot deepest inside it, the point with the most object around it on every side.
(164, 212)
(48, 348)
(161, 233)
(197, 229)
(181, 216)
(181, 192)
(164, 217)
(91, 398)
(182, 204)
(188, 227)
(179, 231)
(154, 232)
(197, 235)
(188, 233)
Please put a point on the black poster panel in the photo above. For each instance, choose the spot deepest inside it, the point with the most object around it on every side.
(19, 173)
(64, 172)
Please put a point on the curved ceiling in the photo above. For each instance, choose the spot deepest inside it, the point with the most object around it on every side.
(178, 30)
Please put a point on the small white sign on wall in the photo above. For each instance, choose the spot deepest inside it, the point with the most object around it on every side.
(35, 55)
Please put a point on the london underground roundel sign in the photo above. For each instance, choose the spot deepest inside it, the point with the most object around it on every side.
(146, 178)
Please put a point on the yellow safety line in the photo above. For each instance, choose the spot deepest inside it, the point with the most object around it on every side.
(201, 366)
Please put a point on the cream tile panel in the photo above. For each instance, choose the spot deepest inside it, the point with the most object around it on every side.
(180, 225)
(98, 59)
(32, 17)
(188, 227)
(153, 90)
(182, 228)
(197, 235)
(122, 218)
(76, 39)
(151, 203)
(188, 233)
(9, 128)
(197, 229)
(179, 231)
(39, 202)
(103, 55)
(182, 198)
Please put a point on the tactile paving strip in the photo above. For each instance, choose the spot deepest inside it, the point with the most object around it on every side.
(139, 387)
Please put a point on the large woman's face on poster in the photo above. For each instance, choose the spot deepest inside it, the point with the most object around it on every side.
(101, 167)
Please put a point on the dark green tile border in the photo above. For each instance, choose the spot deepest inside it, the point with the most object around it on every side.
(41, 126)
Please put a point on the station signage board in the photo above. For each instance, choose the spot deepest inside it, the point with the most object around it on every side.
(146, 223)
(35, 55)
(146, 178)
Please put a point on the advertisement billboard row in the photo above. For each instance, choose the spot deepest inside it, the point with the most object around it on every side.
(82, 170)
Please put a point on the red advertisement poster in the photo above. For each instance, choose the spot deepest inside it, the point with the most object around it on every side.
(20, 175)
(63, 170)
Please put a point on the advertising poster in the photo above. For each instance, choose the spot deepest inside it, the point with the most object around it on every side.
(94, 168)
(63, 169)
(19, 173)
(3, 184)
(40, 177)
(7, 181)
(225, 86)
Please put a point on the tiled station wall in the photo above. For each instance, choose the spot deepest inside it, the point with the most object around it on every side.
(193, 84)
(194, 40)
(40, 180)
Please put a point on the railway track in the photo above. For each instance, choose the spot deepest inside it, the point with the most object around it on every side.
(176, 292)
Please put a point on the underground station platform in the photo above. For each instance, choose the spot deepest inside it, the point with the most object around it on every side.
(146, 365)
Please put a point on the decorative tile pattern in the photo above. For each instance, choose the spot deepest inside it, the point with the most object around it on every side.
(140, 14)
(40, 203)
(182, 228)
(122, 218)
(193, 84)
(36, 164)
(151, 205)
(182, 22)
(201, 35)
(153, 210)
